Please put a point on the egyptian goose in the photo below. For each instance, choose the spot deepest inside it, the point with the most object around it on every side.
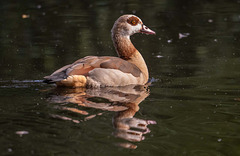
(101, 71)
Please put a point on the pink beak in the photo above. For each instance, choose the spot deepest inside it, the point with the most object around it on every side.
(146, 30)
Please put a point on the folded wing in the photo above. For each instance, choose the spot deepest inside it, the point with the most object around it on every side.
(85, 65)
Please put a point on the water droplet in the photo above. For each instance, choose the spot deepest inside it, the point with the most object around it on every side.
(21, 133)
(182, 35)
(210, 20)
(39, 6)
(159, 56)
(219, 140)
(25, 16)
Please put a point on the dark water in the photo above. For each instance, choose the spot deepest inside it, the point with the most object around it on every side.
(191, 108)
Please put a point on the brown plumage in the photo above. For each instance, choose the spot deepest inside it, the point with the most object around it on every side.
(93, 71)
(86, 64)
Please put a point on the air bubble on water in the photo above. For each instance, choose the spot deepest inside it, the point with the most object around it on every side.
(39, 6)
(159, 56)
(182, 35)
(210, 20)
(21, 133)
(169, 41)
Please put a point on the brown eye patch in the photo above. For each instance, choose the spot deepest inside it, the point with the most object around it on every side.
(133, 20)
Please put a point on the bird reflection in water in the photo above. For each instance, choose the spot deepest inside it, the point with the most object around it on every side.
(122, 100)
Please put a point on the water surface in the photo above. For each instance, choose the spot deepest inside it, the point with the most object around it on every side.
(191, 107)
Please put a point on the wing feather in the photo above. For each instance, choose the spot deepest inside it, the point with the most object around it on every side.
(85, 65)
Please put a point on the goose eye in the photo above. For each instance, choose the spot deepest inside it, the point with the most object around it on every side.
(133, 20)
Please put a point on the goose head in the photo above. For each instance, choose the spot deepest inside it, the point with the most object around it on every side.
(128, 25)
